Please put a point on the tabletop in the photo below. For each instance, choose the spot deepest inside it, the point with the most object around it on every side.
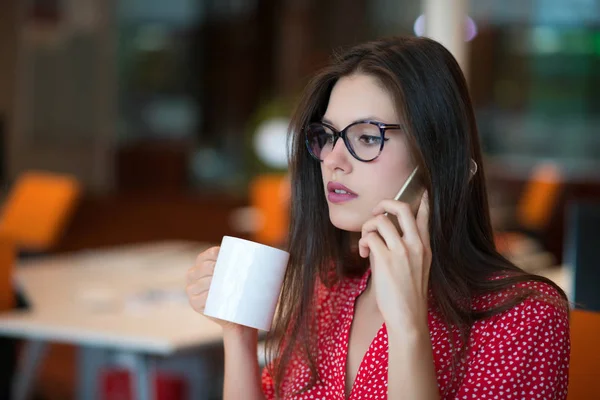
(130, 297)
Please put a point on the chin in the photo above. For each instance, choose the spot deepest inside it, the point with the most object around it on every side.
(346, 222)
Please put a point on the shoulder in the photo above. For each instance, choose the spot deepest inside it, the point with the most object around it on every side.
(541, 308)
(529, 291)
(522, 350)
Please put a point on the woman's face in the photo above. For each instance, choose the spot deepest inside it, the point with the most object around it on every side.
(355, 98)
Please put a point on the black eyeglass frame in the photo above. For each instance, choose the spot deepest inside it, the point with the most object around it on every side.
(383, 127)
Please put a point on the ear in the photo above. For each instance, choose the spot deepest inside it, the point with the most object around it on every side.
(473, 168)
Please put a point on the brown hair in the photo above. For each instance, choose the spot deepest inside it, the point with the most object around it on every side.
(431, 94)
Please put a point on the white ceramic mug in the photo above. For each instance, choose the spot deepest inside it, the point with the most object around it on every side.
(246, 283)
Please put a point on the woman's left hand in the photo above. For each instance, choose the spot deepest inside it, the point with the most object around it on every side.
(399, 264)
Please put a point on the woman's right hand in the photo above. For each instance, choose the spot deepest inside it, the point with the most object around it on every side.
(199, 278)
(242, 376)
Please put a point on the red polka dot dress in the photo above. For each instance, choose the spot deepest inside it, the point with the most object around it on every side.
(522, 353)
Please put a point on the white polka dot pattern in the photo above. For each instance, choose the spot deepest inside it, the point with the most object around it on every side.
(522, 353)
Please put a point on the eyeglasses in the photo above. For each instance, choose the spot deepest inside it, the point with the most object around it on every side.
(363, 139)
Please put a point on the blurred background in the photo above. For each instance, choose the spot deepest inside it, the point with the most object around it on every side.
(137, 121)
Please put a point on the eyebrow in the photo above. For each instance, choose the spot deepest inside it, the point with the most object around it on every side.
(367, 118)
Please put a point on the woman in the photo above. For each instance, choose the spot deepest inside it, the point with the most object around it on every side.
(429, 311)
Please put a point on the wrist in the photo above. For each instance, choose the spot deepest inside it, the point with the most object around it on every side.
(409, 347)
(240, 334)
(408, 333)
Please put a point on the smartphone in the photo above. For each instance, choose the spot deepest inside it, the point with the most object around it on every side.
(410, 193)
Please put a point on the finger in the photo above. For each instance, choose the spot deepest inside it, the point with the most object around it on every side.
(209, 254)
(197, 288)
(374, 243)
(203, 270)
(423, 220)
(212, 253)
(423, 226)
(363, 249)
(383, 226)
(198, 302)
(406, 220)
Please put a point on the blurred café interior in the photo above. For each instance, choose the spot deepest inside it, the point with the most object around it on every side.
(135, 133)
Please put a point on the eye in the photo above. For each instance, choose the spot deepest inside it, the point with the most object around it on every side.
(324, 139)
(369, 139)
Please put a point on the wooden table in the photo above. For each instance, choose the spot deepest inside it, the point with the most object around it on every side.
(129, 300)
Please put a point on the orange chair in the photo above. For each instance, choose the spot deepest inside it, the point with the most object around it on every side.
(270, 196)
(36, 211)
(7, 302)
(584, 370)
(533, 213)
(540, 197)
(7, 258)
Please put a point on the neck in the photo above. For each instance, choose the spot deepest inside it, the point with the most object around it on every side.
(368, 297)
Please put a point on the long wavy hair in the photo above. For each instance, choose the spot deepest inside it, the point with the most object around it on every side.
(430, 91)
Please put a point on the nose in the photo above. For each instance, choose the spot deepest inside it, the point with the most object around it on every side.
(339, 158)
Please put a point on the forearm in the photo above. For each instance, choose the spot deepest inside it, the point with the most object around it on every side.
(242, 374)
(411, 371)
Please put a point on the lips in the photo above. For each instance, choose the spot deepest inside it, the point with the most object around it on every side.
(338, 193)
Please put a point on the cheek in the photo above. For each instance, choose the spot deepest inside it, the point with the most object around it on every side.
(386, 180)
(396, 170)
(385, 186)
